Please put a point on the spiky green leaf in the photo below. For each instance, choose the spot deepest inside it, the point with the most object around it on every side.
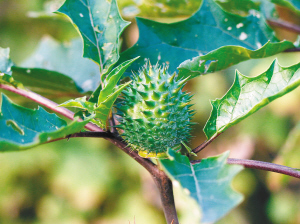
(209, 29)
(104, 107)
(80, 103)
(100, 26)
(209, 183)
(22, 128)
(112, 79)
(104, 97)
(247, 95)
(225, 56)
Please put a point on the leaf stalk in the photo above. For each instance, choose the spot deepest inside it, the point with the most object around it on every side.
(260, 165)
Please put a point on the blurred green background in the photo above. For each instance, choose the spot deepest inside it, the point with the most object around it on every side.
(84, 181)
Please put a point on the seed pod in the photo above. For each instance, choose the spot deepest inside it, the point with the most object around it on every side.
(154, 112)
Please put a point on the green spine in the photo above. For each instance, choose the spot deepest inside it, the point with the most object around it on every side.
(154, 113)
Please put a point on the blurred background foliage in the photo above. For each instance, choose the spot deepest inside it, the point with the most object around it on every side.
(84, 181)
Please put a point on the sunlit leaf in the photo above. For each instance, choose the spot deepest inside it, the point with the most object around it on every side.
(104, 97)
(100, 26)
(209, 29)
(209, 183)
(225, 56)
(22, 128)
(158, 8)
(247, 95)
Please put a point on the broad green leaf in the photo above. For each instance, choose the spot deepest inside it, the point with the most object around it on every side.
(46, 82)
(209, 29)
(247, 95)
(209, 183)
(65, 64)
(37, 79)
(5, 61)
(158, 8)
(104, 96)
(100, 26)
(293, 5)
(240, 7)
(228, 55)
(22, 128)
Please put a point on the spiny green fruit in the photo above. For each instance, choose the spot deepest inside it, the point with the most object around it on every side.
(154, 113)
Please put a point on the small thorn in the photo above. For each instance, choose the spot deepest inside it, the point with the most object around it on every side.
(155, 96)
(164, 96)
(183, 105)
(150, 125)
(138, 78)
(163, 107)
(147, 113)
(122, 108)
(182, 82)
(165, 114)
(151, 104)
(159, 75)
(147, 77)
(171, 79)
(143, 94)
(175, 91)
(163, 87)
(145, 87)
(151, 140)
(158, 112)
(140, 120)
(152, 86)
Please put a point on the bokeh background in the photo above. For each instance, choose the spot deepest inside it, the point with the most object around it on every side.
(83, 181)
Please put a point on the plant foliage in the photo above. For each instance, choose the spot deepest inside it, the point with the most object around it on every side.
(218, 35)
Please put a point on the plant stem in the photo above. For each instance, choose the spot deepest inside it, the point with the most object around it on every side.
(49, 104)
(285, 25)
(254, 164)
(162, 181)
(165, 187)
(204, 144)
(91, 134)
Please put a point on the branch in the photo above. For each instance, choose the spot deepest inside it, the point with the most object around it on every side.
(162, 181)
(204, 144)
(48, 104)
(285, 25)
(165, 188)
(91, 134)
(254, 164)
